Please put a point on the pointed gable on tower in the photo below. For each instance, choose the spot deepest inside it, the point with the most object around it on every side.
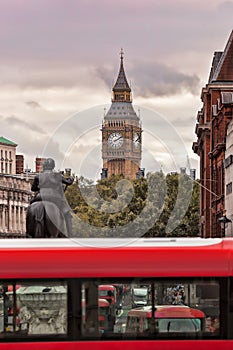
(223, 69)
(121, 89)
(121, 82)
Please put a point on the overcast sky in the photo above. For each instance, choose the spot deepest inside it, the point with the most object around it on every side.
(59, 59)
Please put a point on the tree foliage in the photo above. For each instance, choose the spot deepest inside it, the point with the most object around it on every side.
(160, 205)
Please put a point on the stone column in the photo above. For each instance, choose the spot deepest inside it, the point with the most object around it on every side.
(10, 217)
(4, 219)
(24, 219)
(19, 226)
(14, 218)
(1, 215)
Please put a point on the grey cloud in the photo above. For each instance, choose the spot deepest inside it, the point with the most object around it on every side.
(18, 122)
(48, 75)
(29, 138)
(154, 79)
(151, 79)
(86, 31)
(33, 104)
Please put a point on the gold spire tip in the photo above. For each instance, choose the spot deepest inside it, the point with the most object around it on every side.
(122, 54)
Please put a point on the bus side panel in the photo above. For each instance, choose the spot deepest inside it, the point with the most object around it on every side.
(119, 345)
(135, 262)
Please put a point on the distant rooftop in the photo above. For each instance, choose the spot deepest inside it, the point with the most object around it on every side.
(222, 64)
(5, 141)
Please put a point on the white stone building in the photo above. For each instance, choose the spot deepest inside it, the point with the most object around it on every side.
(7, 156)
(15, 193)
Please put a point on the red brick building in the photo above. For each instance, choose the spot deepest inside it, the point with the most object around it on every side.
(211, 130)
(39, 164)
(19, 163)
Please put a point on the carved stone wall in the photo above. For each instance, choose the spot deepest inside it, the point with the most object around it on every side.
(15, 195)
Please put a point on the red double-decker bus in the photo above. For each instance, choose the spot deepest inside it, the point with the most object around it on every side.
(58, 278)
(168, 319)
(104, 314)
(108, 292)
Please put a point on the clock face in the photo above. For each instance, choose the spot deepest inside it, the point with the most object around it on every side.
(136, 140)
(115, 140)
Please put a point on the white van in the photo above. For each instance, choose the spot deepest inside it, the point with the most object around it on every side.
(139, 297)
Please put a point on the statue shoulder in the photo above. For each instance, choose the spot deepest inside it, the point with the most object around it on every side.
(68, 180)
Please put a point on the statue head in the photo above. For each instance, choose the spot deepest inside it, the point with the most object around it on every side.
(49, 164)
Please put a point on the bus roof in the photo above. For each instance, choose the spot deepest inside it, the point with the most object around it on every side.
(108, 242)
(167, 311)
(103, 302)
(106, 287)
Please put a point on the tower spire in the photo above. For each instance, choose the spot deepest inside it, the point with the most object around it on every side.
(121, 89)
(122, 54)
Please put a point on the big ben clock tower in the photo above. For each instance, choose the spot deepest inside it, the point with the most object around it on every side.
(121, 132)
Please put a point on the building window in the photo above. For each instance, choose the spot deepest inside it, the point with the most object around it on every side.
(228, 161)
(229, 188)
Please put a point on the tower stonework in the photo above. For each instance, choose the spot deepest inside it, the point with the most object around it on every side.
(121, 132)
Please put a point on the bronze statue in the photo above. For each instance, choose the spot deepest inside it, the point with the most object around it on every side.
(49, 204)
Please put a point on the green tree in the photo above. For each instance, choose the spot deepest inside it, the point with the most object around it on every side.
(157, 202)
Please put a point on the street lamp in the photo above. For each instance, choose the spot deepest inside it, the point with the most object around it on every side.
(224, 222)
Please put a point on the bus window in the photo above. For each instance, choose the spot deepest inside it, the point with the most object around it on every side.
(34, 308)
(174, 307)
(231, 307)
(179, 325)
(98, 309)
(43, 308)
(183, 306)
